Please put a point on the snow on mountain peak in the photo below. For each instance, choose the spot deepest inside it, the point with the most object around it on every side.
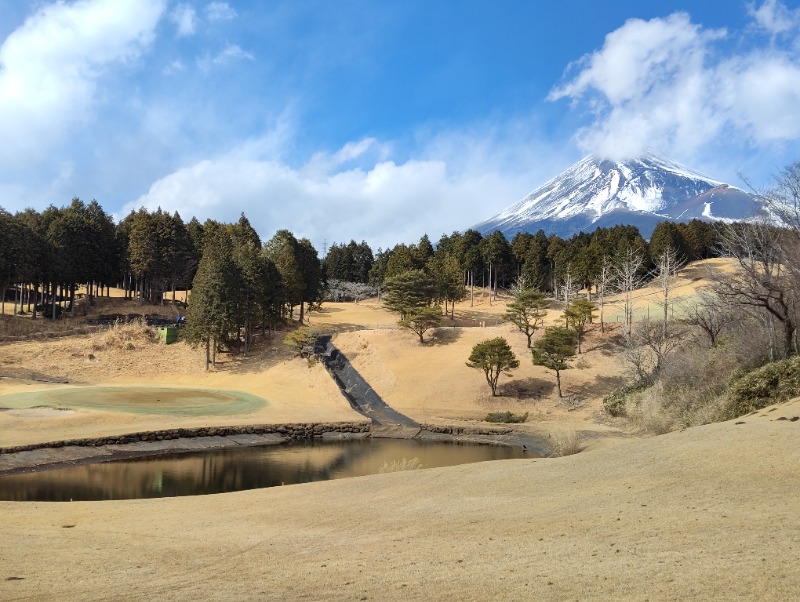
(648, 187)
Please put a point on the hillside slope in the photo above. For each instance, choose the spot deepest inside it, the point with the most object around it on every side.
(705, 514)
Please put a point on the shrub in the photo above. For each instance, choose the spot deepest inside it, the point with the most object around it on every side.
(616, 402)
(302, 341)
(769, 384)
(564, 443)
(124, 335)
(506, 417)
(650, 413)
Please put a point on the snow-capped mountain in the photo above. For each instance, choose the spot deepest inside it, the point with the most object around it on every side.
(641, 192)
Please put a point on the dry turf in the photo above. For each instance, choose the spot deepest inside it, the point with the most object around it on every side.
(707, 513)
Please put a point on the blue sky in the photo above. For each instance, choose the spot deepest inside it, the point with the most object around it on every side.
(380, 120)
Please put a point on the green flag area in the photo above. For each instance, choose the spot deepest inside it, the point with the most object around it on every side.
(139, 400)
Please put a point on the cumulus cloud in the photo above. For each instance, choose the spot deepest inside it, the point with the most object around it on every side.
(219, 11)
(773, 17)
(661, 84)
(185, 20)
(50, 66)
(382, 201)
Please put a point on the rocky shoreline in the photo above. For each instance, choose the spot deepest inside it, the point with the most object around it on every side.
(58, 454)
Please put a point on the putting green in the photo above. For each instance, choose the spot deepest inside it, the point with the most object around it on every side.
(140, 400)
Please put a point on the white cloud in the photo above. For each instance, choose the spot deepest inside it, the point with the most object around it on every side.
(661, 84)
(50, 66)
(231, 52)
(219, 11)
(384, 203)
(185, 20)
(773, 17)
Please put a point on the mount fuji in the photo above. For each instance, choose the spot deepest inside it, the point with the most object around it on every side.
(642, 192)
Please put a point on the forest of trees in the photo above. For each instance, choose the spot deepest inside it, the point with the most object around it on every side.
(241, 285)
(45, 256)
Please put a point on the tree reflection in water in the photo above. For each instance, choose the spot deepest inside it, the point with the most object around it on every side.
(220, 471)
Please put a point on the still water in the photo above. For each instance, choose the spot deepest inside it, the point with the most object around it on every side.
(219, 471)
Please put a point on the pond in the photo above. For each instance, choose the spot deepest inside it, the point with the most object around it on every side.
(220, 471)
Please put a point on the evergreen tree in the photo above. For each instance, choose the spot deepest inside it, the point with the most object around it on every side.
(577, 315)
(377, 273)
(496, 254)
(668, 235)
(421, 319)
(401, 259)
(554, 350)
(215, 304)
(311, 271)
(448, 280)
(409, 290)
(283, 250)
(494, 357)
(526, 311)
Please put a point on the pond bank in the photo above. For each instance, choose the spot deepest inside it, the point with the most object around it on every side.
(56, 454)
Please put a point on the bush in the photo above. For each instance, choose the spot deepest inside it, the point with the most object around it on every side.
(649, 412)
(769, 384)
(616, 402)
(302, 341)
(506, 417)
(564, 443)
(124, 335)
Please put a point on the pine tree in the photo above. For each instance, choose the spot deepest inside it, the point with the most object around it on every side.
(409, 290)
(554, 350)
(214, 306)
(526, 311)
(494, 357)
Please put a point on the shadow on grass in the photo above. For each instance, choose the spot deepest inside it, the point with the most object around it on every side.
(528, 389)
(444, 336)
(599, 387)
(265, 353)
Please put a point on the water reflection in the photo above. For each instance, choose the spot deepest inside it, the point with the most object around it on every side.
(219, 471)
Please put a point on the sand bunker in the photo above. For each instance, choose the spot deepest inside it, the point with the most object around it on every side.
(135, 400)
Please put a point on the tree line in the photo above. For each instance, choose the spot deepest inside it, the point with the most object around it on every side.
(547, 262)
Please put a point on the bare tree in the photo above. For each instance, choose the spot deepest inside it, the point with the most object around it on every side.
(710, 315)
(667, 265)
(602, 281)
(626, 276)
(649, 345)
(765, 277)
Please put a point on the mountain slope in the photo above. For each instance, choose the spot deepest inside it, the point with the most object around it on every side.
(642, 192)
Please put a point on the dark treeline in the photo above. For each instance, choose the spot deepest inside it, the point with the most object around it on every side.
(241, 284)
(45, 256)
(547, 263)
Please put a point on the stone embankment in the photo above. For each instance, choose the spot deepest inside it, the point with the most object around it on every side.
(56, 454)
(464, 430)
(291, 432)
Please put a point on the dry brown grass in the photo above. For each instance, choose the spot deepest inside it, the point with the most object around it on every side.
(21, 326)
(401, 465)
(564, 442)
(124, 336)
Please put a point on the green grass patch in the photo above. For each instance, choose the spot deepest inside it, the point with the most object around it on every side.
(140, 400)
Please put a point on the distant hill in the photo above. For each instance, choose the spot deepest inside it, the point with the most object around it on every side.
(641, 192)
